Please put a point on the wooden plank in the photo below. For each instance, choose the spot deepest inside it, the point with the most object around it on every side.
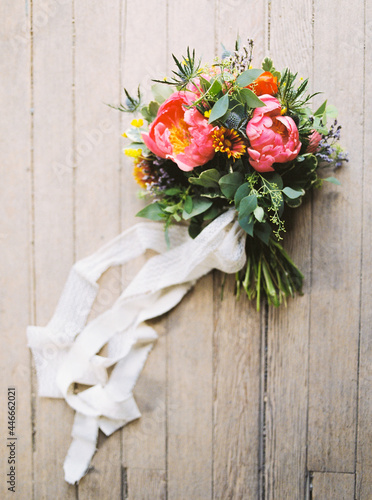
(190, 378)
(144, 441)
(332, 485)
(190, 335)
(154, 480)
(236, 411)
(15, 283)
(237, 340)
(97, 188)
(364, 432)
(288, 328)
(52, 76)
(337, 249)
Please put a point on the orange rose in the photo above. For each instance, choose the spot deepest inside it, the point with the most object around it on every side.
(264, 84)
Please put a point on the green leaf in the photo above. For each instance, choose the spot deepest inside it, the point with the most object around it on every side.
(275, 178)
(172, 191)
(215, 88)
(199, 205)
(333, 180)
(195, 228)
(259, 213)
(263, 232)
(219, 108)
(211, 213)
(320, 111)
(153, 212)
(247, 224)
(161, 92)
(247, 205)
(188, 204)
(293, 193)
(134, 134)
(267, 64)
(208, 178)
(248, 97)
(248, 76)
(331, 112)
(241, 193)
(153, 108)
(229, 184)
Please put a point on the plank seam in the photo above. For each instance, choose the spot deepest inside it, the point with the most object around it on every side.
(32, 256)
(309, 473)
(361, 253)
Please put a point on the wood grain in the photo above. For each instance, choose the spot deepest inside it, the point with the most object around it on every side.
(143, 441)
(236, 399)
(53, 221)
(234, 404)
(332, 485)
(336, 251)
(237, 340)
(16, 306)
(97, 216)
(364, 431)
(189, 344)
(288, 327)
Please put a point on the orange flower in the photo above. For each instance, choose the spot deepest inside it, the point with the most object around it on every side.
(228, 141)
(143, 173)
(265, 84)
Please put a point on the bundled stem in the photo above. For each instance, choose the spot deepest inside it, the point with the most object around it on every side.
(269, 271)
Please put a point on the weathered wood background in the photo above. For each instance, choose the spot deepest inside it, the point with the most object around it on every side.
(236, 405)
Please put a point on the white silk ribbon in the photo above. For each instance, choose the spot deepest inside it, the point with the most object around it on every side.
(66, 350)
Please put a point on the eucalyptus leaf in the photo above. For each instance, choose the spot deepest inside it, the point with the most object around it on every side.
(241, 193)
(219, 108)
(152, 212)
(275, 178)
(320, 111)
(248, 76)
(211, 213)
(333, 180)
(293, 193)
(259, 213)
(161, 92)
(247, 223)
(248, 97)
(199, 206)
(229, 184)
(263, 231)
(134, 134)
(209, 178)
(247, 205)
(215, 88)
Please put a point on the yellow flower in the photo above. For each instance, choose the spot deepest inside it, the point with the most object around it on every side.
(137, 123)
(207, 113)
(133, 153)
(228, 141)
(124, 135)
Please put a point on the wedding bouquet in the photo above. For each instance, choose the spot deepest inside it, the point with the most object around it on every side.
(227, 148)
(229, 135)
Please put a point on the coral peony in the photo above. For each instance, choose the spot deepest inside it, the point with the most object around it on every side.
(180, 134)
(265, 84)
(273, 138)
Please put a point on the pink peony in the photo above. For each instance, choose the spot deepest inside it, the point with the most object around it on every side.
(180, 134)
(273, 138)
